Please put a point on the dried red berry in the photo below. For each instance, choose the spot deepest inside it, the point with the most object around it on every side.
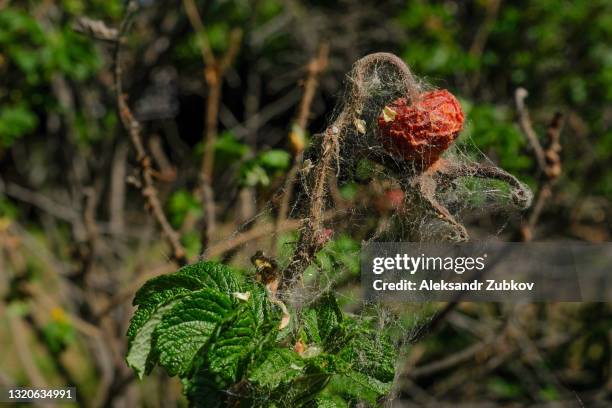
(422, 131)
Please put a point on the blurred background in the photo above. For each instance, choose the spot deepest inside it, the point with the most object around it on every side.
(221, 91)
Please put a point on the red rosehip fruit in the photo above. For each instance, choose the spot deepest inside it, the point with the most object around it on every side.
(423, 130)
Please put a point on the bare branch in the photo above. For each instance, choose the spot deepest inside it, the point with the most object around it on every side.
(525, 123)
(552, 171)
(296, 135)
(214, 71)
(131, 125)
(96, 29)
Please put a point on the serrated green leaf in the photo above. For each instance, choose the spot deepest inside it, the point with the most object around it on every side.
(230, 349)
(213, 275)
(155, 293)
(310, 325)
(253, 330)
(329, 317)
(201, 391)
(372, 354)
(162, 289)
(355, 386)
(187, 327)
(331, 401)
(152, 291)
(140, 344)
(279, 365)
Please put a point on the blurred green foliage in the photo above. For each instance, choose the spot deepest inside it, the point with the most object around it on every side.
(262, 168)
(32, 53)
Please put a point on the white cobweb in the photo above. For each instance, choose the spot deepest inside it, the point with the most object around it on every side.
(350, 191)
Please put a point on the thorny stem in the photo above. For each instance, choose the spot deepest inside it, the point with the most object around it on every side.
(315, 67)
(548, 178)
(310, 238)
(131, 125)
(521, 195)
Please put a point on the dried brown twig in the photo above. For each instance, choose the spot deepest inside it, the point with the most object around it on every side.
(549, 160)
(214, 71)
(96, 29)
(132, 126)
(296, 136)
(526, 127)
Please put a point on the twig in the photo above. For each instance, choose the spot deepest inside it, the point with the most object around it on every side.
(214, 71)
(128, 292)
(549, 160)
(452, 360)
(296, 136)
(525, 124)
(315, 67)
(96, 29)
(24, 354)
(47, 303)
(41, 201)
(117, 190)
(481, 37)
(148, 190)
(167, 172)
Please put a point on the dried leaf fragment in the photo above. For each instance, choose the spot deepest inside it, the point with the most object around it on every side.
(388, 114)
(360, 125)
(245, 296)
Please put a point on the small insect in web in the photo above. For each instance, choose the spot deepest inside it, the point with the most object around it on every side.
(266, 268)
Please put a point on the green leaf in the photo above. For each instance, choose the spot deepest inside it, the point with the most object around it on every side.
(203, 392)
(280, 365)
(252, 174)
(228, 148)
(181, 204)
(187, 327)
(358, 387)
(150, 291)
(140, 345)
(159, 295)
(180, 313)
(329, 317)
(228, 350)
(275, 159)
(213, 275)
(331, 401)
(310, 326)
(304, 389)
(155, 293)
(249, 333)
(15, 121)
(371, 353)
